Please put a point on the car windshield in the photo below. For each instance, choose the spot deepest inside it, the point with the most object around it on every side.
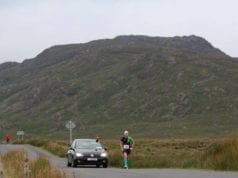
(88, 144)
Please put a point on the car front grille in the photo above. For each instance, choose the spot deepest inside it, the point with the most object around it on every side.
(91, 155)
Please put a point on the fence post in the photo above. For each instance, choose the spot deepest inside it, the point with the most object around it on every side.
(1, 170)
(26, 166)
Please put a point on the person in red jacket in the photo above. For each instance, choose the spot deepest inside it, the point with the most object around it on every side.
(8, 138)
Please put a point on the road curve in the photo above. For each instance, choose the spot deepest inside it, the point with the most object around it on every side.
(60, 163)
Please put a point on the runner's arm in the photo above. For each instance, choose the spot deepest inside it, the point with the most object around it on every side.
(133, 144)
(121, 145)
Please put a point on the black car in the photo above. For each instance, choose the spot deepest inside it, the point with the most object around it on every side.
(87, 152)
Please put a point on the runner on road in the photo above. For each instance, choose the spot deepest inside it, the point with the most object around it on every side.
(127, 144)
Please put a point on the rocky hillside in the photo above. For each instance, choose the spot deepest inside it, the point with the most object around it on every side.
(153, 86)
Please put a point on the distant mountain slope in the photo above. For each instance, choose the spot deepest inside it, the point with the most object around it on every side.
(153, 86)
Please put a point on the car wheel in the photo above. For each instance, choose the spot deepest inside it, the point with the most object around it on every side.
(105, 165)
(68, 164)
(68, 161)
(73, 163)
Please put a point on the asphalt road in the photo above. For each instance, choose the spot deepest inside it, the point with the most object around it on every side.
(60, 163)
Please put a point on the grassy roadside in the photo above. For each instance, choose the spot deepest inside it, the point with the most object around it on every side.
(217, 154)
(221, 155)
(16, 165)
(58, 148)
(161, 153)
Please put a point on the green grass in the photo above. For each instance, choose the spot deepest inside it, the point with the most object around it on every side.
(203, 153)
(160, 153)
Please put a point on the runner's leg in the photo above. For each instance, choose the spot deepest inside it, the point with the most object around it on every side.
(125, 159)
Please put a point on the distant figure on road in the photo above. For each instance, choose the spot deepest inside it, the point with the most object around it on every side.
(98, 138)
(8, 138)
(127, 144)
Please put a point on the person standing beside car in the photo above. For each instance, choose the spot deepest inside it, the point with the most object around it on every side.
(98, 138)
(127, 144)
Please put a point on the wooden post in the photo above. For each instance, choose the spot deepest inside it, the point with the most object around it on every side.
(26, 166)
(1, 170)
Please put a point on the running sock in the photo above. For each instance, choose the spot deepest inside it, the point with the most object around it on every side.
(126, 162)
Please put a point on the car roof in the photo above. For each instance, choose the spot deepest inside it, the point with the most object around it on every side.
(93, 140)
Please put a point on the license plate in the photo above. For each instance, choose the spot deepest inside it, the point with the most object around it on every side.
(92, 159)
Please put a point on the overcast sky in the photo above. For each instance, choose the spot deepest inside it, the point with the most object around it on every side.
(29, 26)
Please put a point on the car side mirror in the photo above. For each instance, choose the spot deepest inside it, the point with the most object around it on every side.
(72, 148)
(105, 149)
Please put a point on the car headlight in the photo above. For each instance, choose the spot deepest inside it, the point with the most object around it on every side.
(103, 155)
(79, 154)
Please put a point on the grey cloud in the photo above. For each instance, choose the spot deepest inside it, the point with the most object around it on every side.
(28, 27)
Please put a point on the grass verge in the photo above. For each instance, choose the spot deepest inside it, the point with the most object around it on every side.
(221, 155)
(16, 165)
(58, 148)
(218, 154)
